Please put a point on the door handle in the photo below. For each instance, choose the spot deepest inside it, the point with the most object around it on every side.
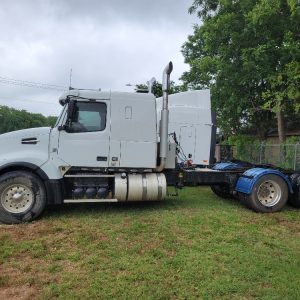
(30, 141)
(101, 158)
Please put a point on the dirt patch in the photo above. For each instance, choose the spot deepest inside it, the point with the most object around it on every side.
(22, 292)
(51, 237)
(292, 226)
(15, 286)
(24, 277)
(10, 272)
(279, 220)
(22, 232)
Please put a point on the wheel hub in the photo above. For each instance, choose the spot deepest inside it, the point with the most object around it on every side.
(17, 198)
(269, 193)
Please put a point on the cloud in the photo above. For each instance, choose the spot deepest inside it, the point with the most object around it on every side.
(106, 43)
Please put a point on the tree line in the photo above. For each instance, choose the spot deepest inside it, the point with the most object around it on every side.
(248, 53)
(13, 119)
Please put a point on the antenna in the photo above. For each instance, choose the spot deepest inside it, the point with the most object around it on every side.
(70, 86)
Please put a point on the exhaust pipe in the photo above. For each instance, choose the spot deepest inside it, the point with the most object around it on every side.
(164, 123)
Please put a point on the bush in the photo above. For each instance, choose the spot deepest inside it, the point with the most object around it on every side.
(249, 148)
(246, 148)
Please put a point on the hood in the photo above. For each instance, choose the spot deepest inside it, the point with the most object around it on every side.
(30, 133)
(27, 145)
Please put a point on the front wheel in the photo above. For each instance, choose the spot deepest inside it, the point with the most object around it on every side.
(269, 194)
(22, 197)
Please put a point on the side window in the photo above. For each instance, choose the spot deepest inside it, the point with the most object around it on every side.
(88, 117)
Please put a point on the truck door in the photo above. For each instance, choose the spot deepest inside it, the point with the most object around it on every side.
(86, 142)
(187, 140)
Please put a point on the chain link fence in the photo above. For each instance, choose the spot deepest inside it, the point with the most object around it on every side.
(285, 156)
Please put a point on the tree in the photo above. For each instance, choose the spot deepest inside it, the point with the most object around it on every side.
(247, 52)
(12, 119)
(157, 88)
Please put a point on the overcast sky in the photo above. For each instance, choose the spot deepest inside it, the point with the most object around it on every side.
(106, 43)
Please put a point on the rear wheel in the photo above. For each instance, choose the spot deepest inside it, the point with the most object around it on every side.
(22, 197)
(221, 190)
(269, 194)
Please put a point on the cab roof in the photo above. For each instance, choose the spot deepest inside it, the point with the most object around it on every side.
(99, 95)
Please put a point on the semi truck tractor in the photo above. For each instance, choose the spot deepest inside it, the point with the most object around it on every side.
(112, 146)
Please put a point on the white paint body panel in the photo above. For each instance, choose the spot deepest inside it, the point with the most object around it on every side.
(138, 154)
(13, 151)
(81, 149)
(133, 127)
(190, 118)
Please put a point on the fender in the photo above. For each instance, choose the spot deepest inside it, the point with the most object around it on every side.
(23, 165)
(246, 182)
(54, 187)
(228, 166)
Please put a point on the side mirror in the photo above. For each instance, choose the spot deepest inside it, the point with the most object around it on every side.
(70, 112)
(64, 127)
(71, 108)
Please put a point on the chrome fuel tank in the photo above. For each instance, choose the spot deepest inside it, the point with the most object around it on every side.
(140, 187)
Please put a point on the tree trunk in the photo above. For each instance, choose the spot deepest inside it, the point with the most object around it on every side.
(280, 126)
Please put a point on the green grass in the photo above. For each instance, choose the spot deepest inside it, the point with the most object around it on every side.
(190, 247)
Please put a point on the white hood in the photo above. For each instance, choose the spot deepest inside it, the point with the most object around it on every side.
(25, 133)
(27, 145)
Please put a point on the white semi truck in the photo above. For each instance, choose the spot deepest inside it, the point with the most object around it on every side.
(108, 147)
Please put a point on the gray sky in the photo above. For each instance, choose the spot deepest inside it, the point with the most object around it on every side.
(106, 43)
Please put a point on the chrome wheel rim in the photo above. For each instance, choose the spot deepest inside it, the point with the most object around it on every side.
(269, 193)
(17, 198)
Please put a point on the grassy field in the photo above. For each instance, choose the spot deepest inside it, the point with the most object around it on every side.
(190, 247)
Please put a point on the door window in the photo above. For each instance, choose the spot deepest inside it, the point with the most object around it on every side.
(88, 117)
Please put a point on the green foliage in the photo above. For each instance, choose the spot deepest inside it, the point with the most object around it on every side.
(284, 85)
(251, 149)
(248, 53)
(288, 153)
(157, 88)
(246, 148)
(241, 140)
(13, 119)
(292, 140)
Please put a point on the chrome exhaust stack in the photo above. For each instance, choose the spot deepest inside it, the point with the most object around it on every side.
(164, 123)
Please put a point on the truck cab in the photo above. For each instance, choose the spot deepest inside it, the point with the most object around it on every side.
(107, 129)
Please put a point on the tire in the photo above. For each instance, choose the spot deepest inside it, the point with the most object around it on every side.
(22, 197)
(243, 198)
(269, 194)
(294, 198)
(221, 191)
